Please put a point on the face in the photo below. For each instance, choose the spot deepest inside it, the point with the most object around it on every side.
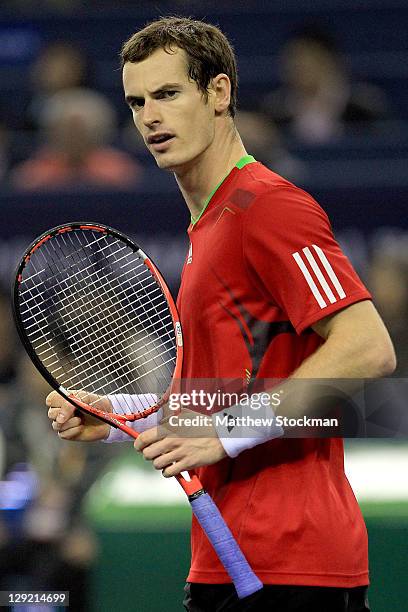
(176, 121)
(306, 65)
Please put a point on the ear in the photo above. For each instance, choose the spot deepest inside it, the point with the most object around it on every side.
(221, 86)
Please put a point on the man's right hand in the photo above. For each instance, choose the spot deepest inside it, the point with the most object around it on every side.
(77, 426)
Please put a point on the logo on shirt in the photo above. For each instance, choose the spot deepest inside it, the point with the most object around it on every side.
(190, 254)
(319, 275)
(225, 209)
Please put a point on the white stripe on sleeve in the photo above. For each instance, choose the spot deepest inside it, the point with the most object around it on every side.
(315, 267)
(318, 296)
(330, 272)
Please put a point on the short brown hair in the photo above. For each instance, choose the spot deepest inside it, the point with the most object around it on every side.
(208, 50)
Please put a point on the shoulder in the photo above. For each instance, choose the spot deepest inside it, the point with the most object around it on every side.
(277, 198)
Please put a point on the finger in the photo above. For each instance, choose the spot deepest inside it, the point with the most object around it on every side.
(157, 448)
(66, 411)
(69, 434)
(149, 437)
(73, 422)
(53, 399)
(56, 426)
(70, 424)
(174, 469)
(53, 413)
(163, 461)
(61, 413)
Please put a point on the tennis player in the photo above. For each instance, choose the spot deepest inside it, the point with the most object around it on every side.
(266, 292)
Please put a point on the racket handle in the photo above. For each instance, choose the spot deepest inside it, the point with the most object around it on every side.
(228, 551)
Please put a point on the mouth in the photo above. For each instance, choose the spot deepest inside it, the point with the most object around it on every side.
(160, 141)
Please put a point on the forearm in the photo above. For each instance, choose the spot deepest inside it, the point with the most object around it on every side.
(325, 378)
(338, 362)
(320, 387)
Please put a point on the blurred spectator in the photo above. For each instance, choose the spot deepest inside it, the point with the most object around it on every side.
(45, 553)
(263, 141)
(78, 124)
(60, 65)
(73, 467)
(317, 98)
(47, 546)
(388, 281)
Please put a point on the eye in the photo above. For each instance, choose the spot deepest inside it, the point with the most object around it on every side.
(168, 93)
(136, 103)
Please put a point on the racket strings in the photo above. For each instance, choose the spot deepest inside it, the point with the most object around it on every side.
(109, 318)
(149, 345)
(111, 355)
(153, 323)
(100, 387)
(148, 295)
(118, 363)
(117, 333)
(58, 273)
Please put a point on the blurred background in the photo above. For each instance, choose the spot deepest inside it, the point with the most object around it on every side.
(324, 102)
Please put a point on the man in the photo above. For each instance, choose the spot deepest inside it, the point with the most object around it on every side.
(265, 291)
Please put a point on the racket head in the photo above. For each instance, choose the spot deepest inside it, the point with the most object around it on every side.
(95, 315)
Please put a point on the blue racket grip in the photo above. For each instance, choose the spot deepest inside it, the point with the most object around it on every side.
(228, 551)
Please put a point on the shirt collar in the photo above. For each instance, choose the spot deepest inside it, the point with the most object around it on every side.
(246, 159)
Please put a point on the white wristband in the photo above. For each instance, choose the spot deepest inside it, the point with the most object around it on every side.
(241, 427)
(129, 404)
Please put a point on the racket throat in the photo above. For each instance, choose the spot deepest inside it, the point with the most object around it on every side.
(191, 485)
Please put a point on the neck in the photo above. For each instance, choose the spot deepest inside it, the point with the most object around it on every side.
(205, 172)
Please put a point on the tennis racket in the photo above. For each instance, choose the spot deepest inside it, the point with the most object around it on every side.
(94, 314)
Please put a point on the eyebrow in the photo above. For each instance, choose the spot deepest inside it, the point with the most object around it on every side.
(129, 99)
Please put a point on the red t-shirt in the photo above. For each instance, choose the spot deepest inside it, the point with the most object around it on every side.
(263, 266)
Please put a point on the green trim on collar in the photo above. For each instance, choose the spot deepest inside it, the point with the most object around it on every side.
(246, 159)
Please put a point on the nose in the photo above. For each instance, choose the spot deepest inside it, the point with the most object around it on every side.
(151, 114)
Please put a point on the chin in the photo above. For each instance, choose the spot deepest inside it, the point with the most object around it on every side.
(172, 165)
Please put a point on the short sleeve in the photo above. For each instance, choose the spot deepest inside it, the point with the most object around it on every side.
(293, 257)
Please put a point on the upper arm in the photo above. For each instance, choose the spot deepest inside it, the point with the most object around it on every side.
(294, 259)
(361, 317)
(361, 328)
